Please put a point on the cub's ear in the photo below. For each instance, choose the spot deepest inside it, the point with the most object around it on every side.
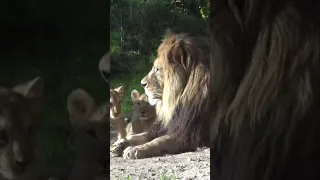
(80, 104)
(144, 98)
(102, 114)
(120, 91)
(31, 89)
(104, 67)
(134, 95)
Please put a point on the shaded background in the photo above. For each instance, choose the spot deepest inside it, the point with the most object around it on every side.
(62, 41)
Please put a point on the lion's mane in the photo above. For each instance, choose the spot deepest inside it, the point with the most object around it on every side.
(183, 111)
(265, 81)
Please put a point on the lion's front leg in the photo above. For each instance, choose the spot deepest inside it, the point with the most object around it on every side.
(117, 147)
(157, 147)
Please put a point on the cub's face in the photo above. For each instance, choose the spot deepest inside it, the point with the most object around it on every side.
(116, 99)
(141, 106)
(19, 108)
(153, 83)
(91, 139)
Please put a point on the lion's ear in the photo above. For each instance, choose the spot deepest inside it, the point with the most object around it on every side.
(134, 95)
(101, 114)
(31, 89)
(104, 67)
(80, 104)
(168, 33)
(34, 91)
(178, 55)
(120, 91)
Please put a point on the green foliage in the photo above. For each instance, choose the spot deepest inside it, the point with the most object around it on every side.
(141, 24)
(115, 45)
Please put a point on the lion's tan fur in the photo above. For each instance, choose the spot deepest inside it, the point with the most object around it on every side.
(20, 108)
(116, 115)
(178, 84)
(91, 140)
(143, 115)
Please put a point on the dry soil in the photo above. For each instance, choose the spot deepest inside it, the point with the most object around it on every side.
(185, 166)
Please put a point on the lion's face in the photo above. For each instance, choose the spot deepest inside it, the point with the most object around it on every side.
(19, 108)
(141, 106)
(153, 84)
(116, 99)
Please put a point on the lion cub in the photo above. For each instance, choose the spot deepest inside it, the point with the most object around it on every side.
(116, 100)
(143, 114)
(20, 108)
(91, 136)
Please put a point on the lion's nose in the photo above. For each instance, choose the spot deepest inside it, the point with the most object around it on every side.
(21, 163)
(143, 84)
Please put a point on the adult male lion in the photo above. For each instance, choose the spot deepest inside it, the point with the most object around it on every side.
(179, 84)
(266, 82)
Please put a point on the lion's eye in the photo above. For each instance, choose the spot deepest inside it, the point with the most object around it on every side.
(138, 103)
(92, 134)
(30, 131)
(3, 138)
(157, 69)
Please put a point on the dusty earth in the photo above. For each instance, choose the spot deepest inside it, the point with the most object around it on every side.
(185, 166)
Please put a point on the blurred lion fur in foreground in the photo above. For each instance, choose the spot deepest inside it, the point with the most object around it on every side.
(90, 123)
(20, 111)
(266, 82)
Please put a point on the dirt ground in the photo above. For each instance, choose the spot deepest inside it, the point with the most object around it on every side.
(185, 166)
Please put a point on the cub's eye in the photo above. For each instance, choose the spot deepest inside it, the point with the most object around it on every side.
(111, 105)
(3, 138)
(2, 108)
(138, 103)
(92, 134)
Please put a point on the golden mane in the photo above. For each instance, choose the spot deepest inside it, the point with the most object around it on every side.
(186, 77)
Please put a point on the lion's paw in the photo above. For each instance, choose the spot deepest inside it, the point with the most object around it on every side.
(133, 152)
(130, 153)
(117, 148)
